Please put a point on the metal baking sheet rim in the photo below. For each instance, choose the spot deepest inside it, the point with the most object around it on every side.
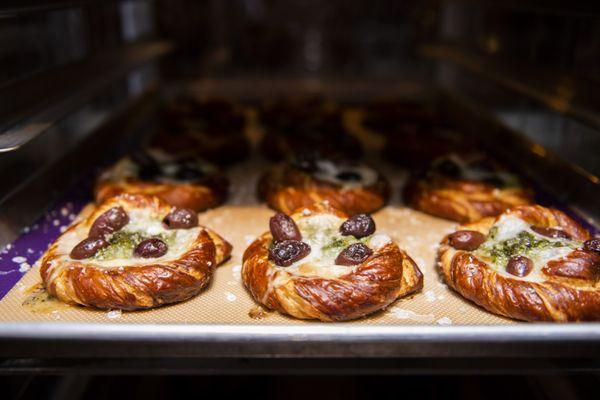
(540, 340)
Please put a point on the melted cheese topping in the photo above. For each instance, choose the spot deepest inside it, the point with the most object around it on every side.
(321, 232)
(508, 228)
(147, 225)
(328, 171)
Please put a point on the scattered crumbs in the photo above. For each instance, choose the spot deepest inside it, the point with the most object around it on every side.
(249, 239)
(8, 247)
(71, 217)
(237, 272)
(56, 222)
(230, 296)
(6, 272)
(430, 296)
(19, 259)
(232, 283)
(444, 321)
(64, 211)
(114, 314)
(63, 229)
(55, 315)
(30, 251)
(24, 267)
(411, 315)
(26, 229)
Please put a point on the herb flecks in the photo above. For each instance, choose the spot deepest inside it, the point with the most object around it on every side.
(525, 243)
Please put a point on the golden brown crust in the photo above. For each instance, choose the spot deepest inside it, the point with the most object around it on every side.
(198, 197)
(462, 200)
(131, 286)
(286, 189)
(569, 292)
(384, 277)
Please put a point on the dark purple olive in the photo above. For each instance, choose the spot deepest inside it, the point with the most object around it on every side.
(287, 252)
(592, 245)
(449, 168)
(283, 228)
(358, 226)
(551, 232)
(519, 266)
(109, 222)
(88, 247)
(181, 218)
(349, 176)
(354, 254)
(151, 248)
(466, 240)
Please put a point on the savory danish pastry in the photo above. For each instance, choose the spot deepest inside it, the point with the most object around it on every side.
(306, 126)
(465, 189)
(210, 129)
(351, 187)
(185, 182)
(132, 252)
(318, 264)
(530, 263)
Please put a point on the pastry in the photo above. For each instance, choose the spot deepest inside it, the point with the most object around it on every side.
(211, 129)
(132, 252)
(306, 126)
(184, 182)
(530, 263)
(318, 264)
(386, 116)
(465, 188)
(351, 187)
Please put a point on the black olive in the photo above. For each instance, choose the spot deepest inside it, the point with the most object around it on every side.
(466, 240)
(551, 232)
(149, 168)
(109, 222)
(181, 218)
(592, 245)
(350, 176)
(287, 252)
(188, 173)
(151, 248)
(283, 228)
(88, 247)
(358, 226)
(448, 168)
(354, 254)
(519, 266)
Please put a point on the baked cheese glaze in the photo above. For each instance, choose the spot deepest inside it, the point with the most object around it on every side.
(510, 236)
(142, 224)
(471, 172)
(329, 172)
(321, 232)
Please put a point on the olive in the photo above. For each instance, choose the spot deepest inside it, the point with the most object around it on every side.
(109, 222)
(149, 168)
(551, 232)
(283, 228)
(181, 218)
(449, 168)
(88, 247)
(188, 173)
(354, 254)
(466, 240)
(287, 252)
(519, 266)
(592, 245)
(349, 176)
(151, 248)
(359, 226)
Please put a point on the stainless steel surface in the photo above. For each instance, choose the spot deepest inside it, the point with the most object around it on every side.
(50, 340)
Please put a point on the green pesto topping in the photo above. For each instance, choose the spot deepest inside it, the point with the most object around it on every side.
(525, 244)
(122, 243)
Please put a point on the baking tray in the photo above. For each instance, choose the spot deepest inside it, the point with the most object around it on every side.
(222, 321)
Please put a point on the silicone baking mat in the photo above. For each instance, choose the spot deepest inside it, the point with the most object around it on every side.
(225, 301)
